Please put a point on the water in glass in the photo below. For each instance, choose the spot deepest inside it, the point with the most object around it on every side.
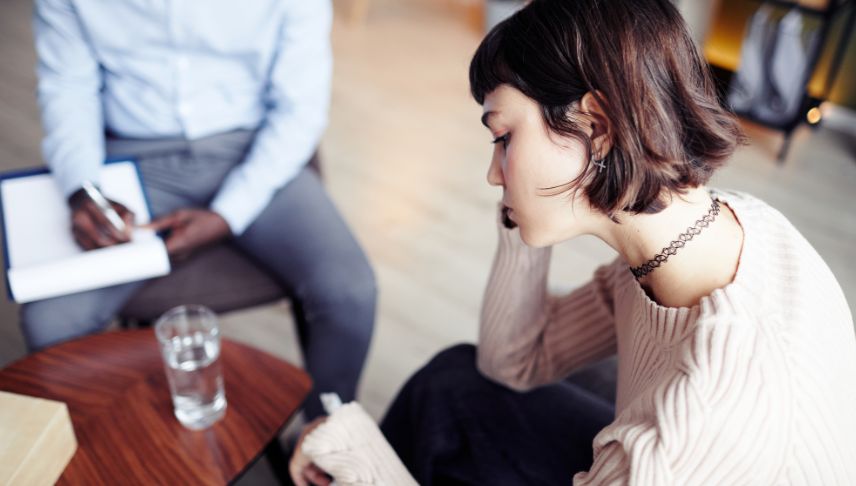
(195, 381)
(191, 347)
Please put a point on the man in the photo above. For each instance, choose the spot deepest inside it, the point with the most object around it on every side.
(222, 103)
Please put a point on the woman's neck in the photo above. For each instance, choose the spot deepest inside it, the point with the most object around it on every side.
(706, 263)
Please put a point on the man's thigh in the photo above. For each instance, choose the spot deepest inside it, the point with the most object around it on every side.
(179, 173)
(301, 235)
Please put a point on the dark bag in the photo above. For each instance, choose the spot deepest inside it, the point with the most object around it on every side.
(775, 59)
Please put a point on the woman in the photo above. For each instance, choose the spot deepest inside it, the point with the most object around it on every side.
(736, 349)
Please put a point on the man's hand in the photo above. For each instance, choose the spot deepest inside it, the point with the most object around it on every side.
(189, 230)
(91, 229)
(301, 468)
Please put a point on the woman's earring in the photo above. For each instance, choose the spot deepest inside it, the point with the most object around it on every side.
(599, 163)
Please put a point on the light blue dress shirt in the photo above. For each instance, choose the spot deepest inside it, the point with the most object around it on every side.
(191, 68)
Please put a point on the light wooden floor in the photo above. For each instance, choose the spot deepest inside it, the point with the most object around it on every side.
(405, 159)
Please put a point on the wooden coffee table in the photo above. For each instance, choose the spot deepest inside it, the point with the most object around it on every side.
(119, 401)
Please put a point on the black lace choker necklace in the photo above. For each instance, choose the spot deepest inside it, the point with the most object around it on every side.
(679, 243)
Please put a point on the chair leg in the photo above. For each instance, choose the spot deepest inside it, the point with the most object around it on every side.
(131, 323)
(278, 460)
(783, 150)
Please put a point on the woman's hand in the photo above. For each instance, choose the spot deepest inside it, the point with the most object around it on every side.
(303, 471)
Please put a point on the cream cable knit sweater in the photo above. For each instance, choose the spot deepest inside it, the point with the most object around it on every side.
(754, 385)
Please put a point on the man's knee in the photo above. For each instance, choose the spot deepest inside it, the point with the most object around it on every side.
(351, 286)
(51, 321)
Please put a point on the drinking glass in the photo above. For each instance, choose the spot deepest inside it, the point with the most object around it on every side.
(190, 344)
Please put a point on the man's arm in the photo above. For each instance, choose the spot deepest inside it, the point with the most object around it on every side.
(69, 85)
(69, 82)
(298, 95)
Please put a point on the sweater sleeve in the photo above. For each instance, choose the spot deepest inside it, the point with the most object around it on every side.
(350, 447)
(529, 338)
(722, 419)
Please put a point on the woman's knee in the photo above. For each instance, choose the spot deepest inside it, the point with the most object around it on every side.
(438, 387)
(455, 363)
(458, 356)
(448, 372)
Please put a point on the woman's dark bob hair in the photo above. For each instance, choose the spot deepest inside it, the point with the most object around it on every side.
(669, 131)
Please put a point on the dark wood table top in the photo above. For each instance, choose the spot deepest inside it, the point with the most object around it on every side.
(117, 395)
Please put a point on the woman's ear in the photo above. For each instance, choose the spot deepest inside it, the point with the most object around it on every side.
(601, 129)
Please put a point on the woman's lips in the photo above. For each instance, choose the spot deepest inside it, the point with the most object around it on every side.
(506, 218)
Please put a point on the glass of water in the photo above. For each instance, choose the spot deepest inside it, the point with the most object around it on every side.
(190, 343)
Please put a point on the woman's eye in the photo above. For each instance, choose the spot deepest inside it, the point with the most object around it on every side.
(501, 139)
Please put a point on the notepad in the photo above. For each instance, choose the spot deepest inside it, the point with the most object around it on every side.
(42, 258)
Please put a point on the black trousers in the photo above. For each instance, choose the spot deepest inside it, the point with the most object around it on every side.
(452, 426)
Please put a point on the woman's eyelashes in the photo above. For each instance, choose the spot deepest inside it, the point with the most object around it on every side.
(503, 139)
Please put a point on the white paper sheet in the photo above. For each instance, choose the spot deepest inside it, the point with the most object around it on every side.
(45, 261)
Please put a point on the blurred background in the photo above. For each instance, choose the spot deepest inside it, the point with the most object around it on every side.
(405, 158)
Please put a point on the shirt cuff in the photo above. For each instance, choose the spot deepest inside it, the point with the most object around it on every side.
(239, 207)
(70, 180)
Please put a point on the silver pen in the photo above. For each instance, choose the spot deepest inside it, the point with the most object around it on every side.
(104, 206)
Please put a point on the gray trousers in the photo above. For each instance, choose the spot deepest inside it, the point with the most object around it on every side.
(300, 237)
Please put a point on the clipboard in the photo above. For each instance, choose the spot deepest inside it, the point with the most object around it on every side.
(40, 256)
